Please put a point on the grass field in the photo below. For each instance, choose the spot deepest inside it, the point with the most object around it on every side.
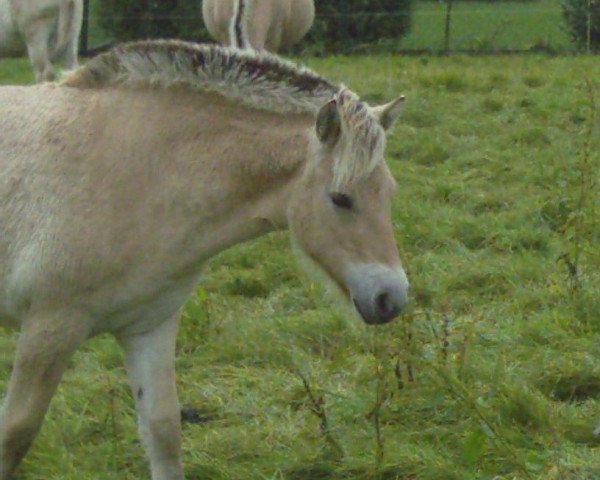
(493, 374)
(489, 26)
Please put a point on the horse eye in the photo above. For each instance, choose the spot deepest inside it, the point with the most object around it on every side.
(341, 200)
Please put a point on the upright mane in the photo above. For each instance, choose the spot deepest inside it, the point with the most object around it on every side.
(255, 79)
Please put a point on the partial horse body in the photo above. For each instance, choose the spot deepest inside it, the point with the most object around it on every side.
(48, 30)
(119, 183)
(260, 24)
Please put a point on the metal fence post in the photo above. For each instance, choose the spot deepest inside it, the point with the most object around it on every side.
(85, 29)
(589, 27)
(447, 26)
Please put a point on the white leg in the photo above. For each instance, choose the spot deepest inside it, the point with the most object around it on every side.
(70, 55)
(43, 350)
(150, 363)
(39, 54)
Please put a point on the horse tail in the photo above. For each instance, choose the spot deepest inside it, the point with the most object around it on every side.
(67, 12)
(238, 36)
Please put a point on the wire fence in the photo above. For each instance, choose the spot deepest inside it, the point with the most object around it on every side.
(436, 26)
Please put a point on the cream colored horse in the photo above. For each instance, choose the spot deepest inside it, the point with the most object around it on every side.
(260, 24)
(48, 30)
(121, 182)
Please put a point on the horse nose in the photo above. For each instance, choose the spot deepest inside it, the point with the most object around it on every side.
(379, 293)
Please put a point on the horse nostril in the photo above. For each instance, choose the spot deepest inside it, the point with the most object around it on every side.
(382, 302)
(386, 307)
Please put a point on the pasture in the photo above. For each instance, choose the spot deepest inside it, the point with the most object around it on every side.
(489, 26)
(494, 373)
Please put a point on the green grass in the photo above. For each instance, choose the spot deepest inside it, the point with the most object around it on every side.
(493, 374)
(15, 71)
(487, 26)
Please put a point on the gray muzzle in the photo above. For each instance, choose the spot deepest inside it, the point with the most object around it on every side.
(379, 293)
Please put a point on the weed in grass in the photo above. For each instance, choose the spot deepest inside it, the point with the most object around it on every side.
(526, 102)
(422, 117)
(316, 405)
(472, 234)
(533, 137)
(575, 380)
(533, 80)
(197, 415)
(497, 80)
(492, 104)
(204, 472)
(451, 81)
(432, 154)
(582, 256)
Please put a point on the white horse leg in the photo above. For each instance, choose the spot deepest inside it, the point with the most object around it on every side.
(39, 53)
(70, 55)
(43, 350)
(258, 34)
(150, 363)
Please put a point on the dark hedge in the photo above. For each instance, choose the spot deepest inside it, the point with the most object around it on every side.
(576, 14)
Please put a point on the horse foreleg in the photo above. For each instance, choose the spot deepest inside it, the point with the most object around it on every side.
(44, 347)
(258, 31)
(150, 363)
(70, 55)
(37, 37)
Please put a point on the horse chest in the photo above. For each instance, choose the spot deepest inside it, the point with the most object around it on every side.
(136, 310)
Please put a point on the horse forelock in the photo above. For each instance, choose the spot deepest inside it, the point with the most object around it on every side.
(362, 140)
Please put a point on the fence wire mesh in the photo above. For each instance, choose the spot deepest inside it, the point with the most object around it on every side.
(468, 26)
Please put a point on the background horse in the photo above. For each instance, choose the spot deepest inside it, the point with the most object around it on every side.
(120, 183)
(260, 24)
(47, 30)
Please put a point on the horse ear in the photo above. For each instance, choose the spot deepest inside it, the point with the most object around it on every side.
(328, 124)
(388, 114)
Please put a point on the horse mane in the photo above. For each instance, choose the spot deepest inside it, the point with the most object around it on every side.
(255, 79)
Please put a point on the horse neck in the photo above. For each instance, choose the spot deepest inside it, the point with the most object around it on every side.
(256, 159)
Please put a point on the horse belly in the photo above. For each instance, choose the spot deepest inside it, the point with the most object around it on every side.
(114, 300)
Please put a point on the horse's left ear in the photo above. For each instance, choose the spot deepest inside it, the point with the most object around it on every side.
(328, 124)
(388, 113)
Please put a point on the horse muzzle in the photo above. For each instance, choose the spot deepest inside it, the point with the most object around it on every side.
(379, 293)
